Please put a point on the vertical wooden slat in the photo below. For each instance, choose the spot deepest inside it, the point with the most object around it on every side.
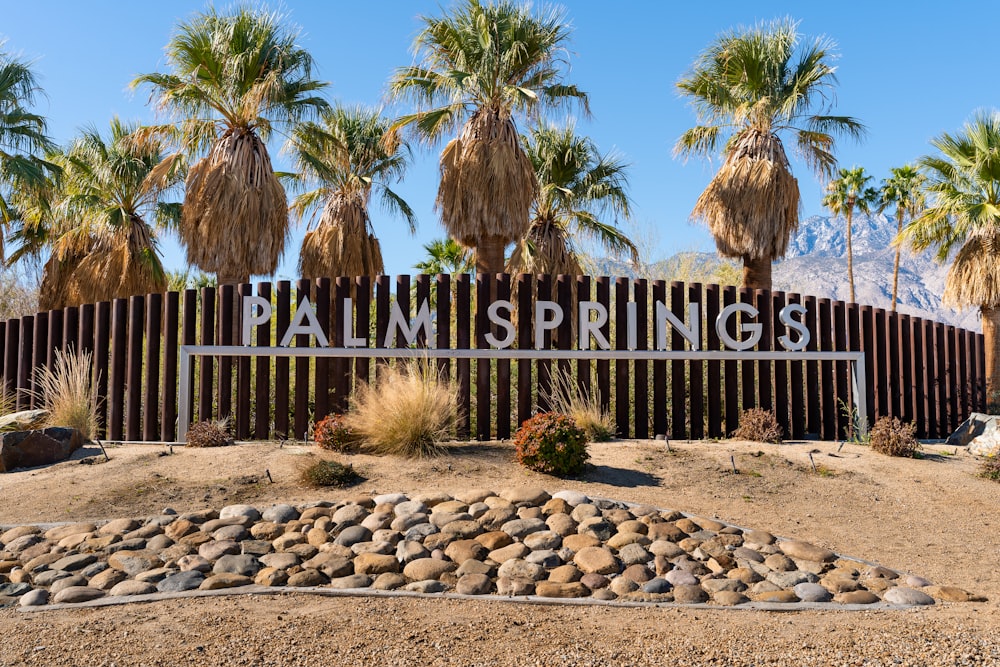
(3, 358)
(881, 363)
(442, 305)
(171, 330)
(55, 338)
(583, 366)
(133, 411)
(603, 366)
(827, 392)
(362, 318)
(813, 408)
(678, 383)
(484, 399)
(931, 379)
(622, 381)
(696, 369)
(331, 327)
(907, 413)
(282, 365)
(984, 399)
(524, 342)
(40, 349)
(712, 295)
(919, 356)
(422, 289)
(780, 367)
(640, 291)
(868, 342)
(151, 389)
(564, 332)
(227, 297)
(243, 365)
(544, 365)
(463, 341)
(300, 423)
(842, 319)
(942, 381)
(206, 371)
(732, 369)
(341, 367)
(383, 298)
(25, 362)
(954, 380)
(85, 338)
(12, 342)
(895, 366)
(796, 378)
(765, 394)
(262, 375)
(102, 347)
(119, 352)
(747, 367)
(71, 328)
(189, 330)
(661, 410)
(963, 375)
(503, 371)
(403, 300)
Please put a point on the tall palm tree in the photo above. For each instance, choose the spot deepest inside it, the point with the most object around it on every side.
(236, 77)
(964, 213)
(905, 190)
(348, 154)
(23, 139)
(477, 67)
(750, 87)
(103, 241)
(577, 185)
(844, 194)
(445, 256)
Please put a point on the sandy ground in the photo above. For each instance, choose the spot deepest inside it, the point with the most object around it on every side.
(930, 516)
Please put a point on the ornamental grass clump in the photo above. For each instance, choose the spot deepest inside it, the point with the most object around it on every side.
(583, 406)
(552, 443)
(328, 473)
(333, 433)
(409, 411)
(892, 437)
(209, 434)
(66, 392)
(759, 425)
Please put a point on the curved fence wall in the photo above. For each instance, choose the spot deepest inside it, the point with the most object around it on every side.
(926, 372)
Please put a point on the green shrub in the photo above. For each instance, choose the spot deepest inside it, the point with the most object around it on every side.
(759, 425)
(892, 437)
(329, 473)
(209, 434)
(552, 443)
(990, 468)
(334, 433)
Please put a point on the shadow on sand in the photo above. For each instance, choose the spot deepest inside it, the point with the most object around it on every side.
(623, 477)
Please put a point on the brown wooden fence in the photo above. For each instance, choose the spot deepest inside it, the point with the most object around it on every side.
(921, 371)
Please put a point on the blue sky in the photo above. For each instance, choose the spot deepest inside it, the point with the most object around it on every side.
(907, 70)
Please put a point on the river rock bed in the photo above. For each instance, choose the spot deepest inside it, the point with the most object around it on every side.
(517, 542)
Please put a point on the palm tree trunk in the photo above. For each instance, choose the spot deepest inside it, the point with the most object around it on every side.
(991, 341)
(850, 254)
(895, 266)
(756, 272)
(489, 255)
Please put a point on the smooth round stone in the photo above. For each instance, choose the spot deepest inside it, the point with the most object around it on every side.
(463, 528)
(810, 592)
(594, 581)
(49, 577)
(565, 574)
(856, 597)
(22, 543)
(475, 567)
(462, 550)
(729, 598)
(132, 587)
(351, 581)
(743, 553)
(350, 514)
(243, 564)
(61, 532)
(352, 535)
(409, 507)
(390, 498)
(377, 521)
(515, 587)
(509, 552)
(657, 585)
(553, 589)
(603, 594)
(638, 573)
(781, 597)
(233, 533)
(215, 550)
(427, 568)
(73, 562)
(118, 527)
(760, 537)
(473, 584)
(386, 535)
(573, 498)
(8, 536)
(806, 551)
(236, 511)
(547, 558)
(790, 579)
(433, 498)
(913, 581)
(494, 540)
(182, 581)
(472, 496)
(690, 594)
(713, 586)
(665, 549)
(382, 548)
(527, 495)
(521, 569)
(521, 528)
(330, 564)
(106, 580)
(280, 514)
(542, 540)
(159, 543)
(267, 530)
(441, 518)
(410, 550)
(633, 526)
(281, 560)
(596, 559)
(907, 596)
(477, 510)
(561, 524)
(375, 564)
(621, 586)
(681, 578)
(596, 527)
(74, 580)
(389, 581)
(666, 531)
(949, 593)
(94, 569)
(20, 588)
(308, 577)
(155, 575)
(256, 547)
(494, 518)
(34, 598)
(634, 554)
(135, 544)
(224, 580)
(75, 594)
(780, 563)
(426, 586)
(420, 532)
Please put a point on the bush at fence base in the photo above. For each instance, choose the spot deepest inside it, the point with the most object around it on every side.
(892, 437)
(552, 443)
(758, 425)
(209, 434)
(334, 433)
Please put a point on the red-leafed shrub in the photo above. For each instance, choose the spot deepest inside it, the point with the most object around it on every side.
(333, 433)
(552, 443)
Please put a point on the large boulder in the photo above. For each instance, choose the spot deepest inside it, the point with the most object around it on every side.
(26, 420)
(27, 449)
(980, 433)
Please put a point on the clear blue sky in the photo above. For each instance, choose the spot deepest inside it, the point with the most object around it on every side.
(908, 70)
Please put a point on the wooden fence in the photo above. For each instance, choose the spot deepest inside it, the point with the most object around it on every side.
(925, 372)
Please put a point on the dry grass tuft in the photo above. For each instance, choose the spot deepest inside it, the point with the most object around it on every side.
(583, 407)
(409, 411)
(66, 392)
(892, 437)
(210, 434)
(319, 474)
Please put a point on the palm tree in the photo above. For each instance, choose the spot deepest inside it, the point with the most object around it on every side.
(964, 213)
(844, 194)
(102, 230)
(236, 77)
(445, 256)
(577, 185)
(905, 189)
(348, 154)
(22, 138)
(477, 67)
(748, 88)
